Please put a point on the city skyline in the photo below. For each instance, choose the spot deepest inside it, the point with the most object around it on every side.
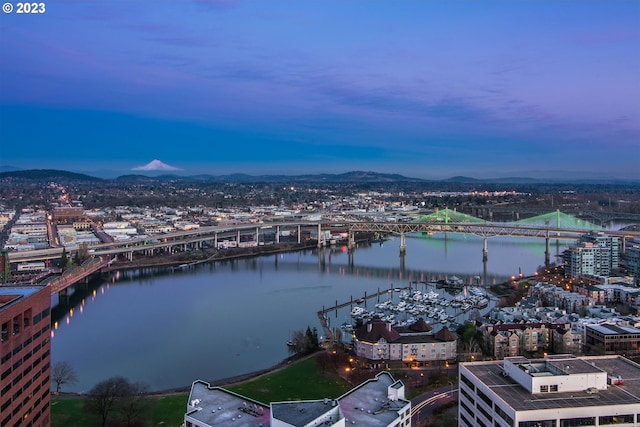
(425, 89)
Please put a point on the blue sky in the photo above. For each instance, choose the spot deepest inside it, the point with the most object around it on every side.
(427, 89)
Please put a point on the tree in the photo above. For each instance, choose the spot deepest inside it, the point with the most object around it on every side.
(297, 343)
(135, 403)
(63, 373)
(63, 259)
(118, 397)
(102, 398)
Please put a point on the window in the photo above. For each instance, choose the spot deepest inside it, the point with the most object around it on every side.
(553, 387)
(5, 331)
(578, 422)
(26, 317)
(17, 349)
(467, 382)
(544, 389)
(502, 414)
(6, 373)
(485, 399)
(466, 408)
(6, 389)
(16, 324)
(617, 419)
(483, 412)
(465, 420)
(543, 423)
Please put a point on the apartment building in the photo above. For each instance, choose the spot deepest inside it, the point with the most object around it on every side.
(377, 343)
(379, 401)
(25, 352)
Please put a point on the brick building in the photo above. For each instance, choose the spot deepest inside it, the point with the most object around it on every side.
(24, 349)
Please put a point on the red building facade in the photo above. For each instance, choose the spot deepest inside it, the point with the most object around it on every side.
(25, 347)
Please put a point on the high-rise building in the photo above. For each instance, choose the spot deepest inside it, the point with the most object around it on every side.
(611, 244)
(632, 260)
(24, 349)
(557, 391)
(596, 254)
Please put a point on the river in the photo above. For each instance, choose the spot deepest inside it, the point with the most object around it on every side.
(168, 327)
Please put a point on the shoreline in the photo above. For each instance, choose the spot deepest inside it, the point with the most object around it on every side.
(180, 259)
(219, 255)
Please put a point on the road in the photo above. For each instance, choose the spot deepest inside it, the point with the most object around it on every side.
(425, 405)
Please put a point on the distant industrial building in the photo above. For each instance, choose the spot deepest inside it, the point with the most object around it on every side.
(376, 402)
(24, 348)
(557, 391)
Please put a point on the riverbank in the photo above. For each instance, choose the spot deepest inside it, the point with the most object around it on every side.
(194, 258)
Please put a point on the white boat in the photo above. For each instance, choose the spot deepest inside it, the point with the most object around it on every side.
(357, 311)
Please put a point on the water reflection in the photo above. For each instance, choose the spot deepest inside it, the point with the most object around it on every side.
(170, 326)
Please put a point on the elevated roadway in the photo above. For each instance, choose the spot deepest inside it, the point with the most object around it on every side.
(313, 231)
(77, 274)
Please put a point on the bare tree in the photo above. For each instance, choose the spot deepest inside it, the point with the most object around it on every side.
(298, 342)
(135, 403)
(63, 373)
(103, 397)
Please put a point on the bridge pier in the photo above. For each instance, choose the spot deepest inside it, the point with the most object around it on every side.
(403, 244)
(277, 234)
(547, 252)
(351, 243)
(299, 237)
(485, 250)
(321, 240)
(257, 236)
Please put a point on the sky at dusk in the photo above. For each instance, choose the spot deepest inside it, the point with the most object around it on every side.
(428, 89)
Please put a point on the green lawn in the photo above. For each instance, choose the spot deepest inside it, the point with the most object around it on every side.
(68, 412)
(301, 380)
(167, 411)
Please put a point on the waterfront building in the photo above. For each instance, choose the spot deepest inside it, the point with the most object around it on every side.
(632, 260)
(377, 343)
(379, 401)
(24, 348)
(596, 254)
(611, 245)
(557, 391)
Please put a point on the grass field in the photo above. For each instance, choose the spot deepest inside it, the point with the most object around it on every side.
(301, 380)
(167, 411)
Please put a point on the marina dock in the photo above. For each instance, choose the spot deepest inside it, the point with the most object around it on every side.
(323, 314)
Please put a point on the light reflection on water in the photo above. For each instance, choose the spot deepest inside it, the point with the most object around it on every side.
(168, 328)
